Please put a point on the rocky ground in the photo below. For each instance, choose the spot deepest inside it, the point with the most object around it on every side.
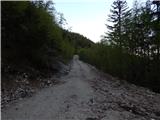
(87, 94)
(18, 84)
(119, 100)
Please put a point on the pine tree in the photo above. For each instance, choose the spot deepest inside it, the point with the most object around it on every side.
(117, 16)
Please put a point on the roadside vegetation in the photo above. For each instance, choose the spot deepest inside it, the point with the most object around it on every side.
(130, 49)
(35, 42)
(33, 36)
(35, 47)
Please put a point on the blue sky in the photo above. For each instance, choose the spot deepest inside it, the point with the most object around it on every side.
(87, 17)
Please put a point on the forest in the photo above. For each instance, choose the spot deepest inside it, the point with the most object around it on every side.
(32, 35)
(50, 72)
(130, 49)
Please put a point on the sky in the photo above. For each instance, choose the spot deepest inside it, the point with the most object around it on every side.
(87, 17)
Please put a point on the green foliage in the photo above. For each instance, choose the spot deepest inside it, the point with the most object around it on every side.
(67, 50)
(131, 48)
(26, 31)
(77, 40)
(135, 69)
(119, 14)
(31, 35)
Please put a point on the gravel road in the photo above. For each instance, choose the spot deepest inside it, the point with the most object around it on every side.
(87, 94)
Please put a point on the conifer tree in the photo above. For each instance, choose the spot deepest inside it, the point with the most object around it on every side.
(118, 14)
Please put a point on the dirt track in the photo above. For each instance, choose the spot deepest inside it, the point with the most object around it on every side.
(87, 94)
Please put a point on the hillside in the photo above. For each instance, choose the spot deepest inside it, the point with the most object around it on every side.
(34, 47)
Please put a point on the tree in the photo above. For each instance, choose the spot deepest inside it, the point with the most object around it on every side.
(117, 16)
(131, 49)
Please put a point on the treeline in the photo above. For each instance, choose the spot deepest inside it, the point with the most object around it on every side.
(130, 49)
(32, 36)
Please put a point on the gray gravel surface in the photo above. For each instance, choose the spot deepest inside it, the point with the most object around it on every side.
(87, 94)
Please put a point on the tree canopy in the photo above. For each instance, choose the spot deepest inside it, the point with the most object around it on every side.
(32, 35)
(130, 49)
